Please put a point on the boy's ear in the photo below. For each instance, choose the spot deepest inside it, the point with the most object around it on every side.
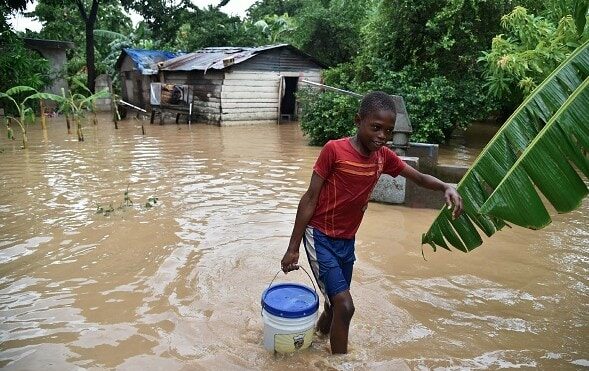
(357, 119)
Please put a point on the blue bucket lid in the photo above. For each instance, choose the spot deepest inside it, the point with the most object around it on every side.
(290, 300)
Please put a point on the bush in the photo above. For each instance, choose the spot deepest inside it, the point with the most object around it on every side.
(327, 116)
(436, 105)
(21, 66)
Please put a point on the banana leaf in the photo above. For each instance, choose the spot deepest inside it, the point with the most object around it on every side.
(547, 164)
(551, 99)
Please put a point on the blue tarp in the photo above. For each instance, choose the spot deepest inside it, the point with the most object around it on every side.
(146, 59)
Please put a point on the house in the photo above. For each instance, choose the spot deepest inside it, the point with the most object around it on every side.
(137, 70)
(237, 85)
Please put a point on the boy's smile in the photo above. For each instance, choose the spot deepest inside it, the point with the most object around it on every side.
(374, 130)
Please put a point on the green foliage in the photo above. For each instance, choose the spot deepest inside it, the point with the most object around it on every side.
(327, 116)
(63, 20)
(21, 66)
(76, 105)
(436, 105)
(444, 37)
(126, 204)
(211, 27)
(542, 146)
(264, 8)
(531, 49)
(18, 98)
(275, 28)
(330, 33)
(425, 51)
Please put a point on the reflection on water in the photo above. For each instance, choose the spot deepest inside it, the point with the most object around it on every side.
(178, 286)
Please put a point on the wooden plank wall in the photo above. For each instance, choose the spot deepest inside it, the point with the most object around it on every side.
(249, 92)
(246, 93)
(206, 92)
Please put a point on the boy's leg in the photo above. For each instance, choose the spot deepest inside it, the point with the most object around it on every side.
(343, 310)
(324, 322)
(332, 262)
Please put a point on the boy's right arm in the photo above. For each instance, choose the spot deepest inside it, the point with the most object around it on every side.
(304, 214)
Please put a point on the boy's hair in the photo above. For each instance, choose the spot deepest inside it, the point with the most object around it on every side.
(376, 101)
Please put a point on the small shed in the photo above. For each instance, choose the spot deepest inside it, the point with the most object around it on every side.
(55, 52)
(239, 85)
(137, 70)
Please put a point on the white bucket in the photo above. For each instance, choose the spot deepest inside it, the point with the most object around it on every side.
(289, 312)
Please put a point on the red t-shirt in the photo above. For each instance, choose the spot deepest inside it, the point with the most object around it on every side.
(349, 180)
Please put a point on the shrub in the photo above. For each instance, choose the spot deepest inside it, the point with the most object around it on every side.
(327, 116)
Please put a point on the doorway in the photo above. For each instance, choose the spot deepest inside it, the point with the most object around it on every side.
(288, 102)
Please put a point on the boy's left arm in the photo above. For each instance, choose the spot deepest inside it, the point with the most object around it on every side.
(427, 181)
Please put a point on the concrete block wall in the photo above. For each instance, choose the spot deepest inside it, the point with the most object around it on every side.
(423, 157)
(102, 82)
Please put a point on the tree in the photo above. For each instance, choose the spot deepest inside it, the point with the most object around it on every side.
(263, 8)
(330, 33)
(201, 28)
(275, 28)
(63, 19)
(523, 57)
(163, 18)
(20, 65)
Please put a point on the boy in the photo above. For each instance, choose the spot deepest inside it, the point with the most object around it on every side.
(331, 210)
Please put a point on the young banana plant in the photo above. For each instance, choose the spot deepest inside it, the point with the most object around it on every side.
(76, 105)
(25, 114)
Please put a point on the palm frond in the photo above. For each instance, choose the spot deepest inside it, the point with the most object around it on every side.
(110, 35)
(502, 153)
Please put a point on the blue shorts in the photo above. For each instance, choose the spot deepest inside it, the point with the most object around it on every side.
(331, 260)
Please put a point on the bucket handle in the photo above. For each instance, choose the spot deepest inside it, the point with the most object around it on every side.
(276, 275)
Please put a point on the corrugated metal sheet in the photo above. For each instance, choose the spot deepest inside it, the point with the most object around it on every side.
(146, 61)
(221, 58)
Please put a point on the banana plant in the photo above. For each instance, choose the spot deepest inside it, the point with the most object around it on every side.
(75, 105)
(25, 113)
(535, 148)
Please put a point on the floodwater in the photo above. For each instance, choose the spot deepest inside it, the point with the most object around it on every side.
(465, 145)
(177, 286)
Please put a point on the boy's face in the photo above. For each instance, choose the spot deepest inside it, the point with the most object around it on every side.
(375, 129)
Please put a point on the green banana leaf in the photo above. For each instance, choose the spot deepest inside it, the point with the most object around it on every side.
(547, 165)
(551, 102)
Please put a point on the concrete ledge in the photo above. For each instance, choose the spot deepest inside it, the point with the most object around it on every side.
(450, 173)
(398, 190)
(427, 154)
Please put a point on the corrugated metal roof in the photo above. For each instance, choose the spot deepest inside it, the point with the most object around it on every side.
(219, 58)
(146, 60)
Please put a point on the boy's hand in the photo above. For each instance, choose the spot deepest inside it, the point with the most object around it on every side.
(290, 261)
(453, 199)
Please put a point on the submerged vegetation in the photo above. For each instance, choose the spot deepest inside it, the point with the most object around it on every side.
(24, 113)
(126, 204)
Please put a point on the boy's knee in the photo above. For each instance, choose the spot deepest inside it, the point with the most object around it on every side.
(344, 305)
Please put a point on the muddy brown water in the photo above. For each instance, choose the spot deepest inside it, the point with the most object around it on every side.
(178, 286)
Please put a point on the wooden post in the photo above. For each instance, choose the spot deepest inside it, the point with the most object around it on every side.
(190, 114)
